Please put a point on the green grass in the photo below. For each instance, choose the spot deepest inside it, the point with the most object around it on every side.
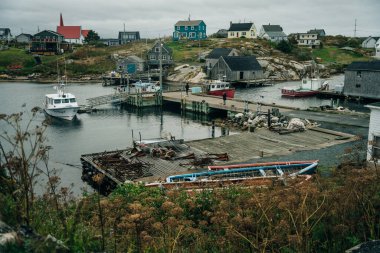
(15, 56)
(330, 54)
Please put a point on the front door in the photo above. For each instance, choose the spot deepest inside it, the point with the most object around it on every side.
(241, 75)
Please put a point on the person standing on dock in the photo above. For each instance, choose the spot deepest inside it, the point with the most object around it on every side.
(224, 98)
(187, 89)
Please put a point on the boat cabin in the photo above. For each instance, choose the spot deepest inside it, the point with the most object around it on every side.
(218, 86)
(55, 99)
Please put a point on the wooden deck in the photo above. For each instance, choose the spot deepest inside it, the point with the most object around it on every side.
(239, 147)
(212, 102)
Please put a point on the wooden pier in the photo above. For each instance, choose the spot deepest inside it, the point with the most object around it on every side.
(190, 156)
(133, 99)
(205, 104)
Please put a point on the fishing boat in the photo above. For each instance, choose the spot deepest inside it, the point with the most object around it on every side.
(218, 87)
(309, 87)
(149, 86)
(61, 105)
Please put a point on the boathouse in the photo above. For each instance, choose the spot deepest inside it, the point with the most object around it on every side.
(237, 69)
(213, 57)
(362, 80)
(373, 150)
(153, 56)
(131, 65)
(189, 29)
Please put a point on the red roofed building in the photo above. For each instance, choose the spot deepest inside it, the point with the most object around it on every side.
(72, 34)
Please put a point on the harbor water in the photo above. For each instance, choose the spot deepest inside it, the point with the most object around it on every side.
(115, 127)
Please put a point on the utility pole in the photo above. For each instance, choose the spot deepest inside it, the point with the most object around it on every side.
(160, 56)
(355, 29)
(124, 35)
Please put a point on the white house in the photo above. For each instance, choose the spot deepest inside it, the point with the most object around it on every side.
(24, 38)
(377, 48)
(373, 150)
(369, 42)
(246, 30)
(308, 39)
(273, 33)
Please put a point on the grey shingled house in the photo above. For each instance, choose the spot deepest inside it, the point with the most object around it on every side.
(153, 56)
(362, 79)
(273, 33)
(237, 69)
(215, 54)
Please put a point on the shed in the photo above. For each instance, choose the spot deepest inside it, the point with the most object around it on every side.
(24, 38)
(373, 150)
(131, 64)
(213, 57)
(237, 68)
(362, 79)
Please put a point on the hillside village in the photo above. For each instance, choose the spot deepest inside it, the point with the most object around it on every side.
(189, 55)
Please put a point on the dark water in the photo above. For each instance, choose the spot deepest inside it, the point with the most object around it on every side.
(272, 95)
(108, 129)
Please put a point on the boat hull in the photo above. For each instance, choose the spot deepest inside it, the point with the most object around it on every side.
(298, 93)
(63, 113)
(229, 92)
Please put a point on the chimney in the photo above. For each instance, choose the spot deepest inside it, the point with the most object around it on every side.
(230, 23)
(61, 20)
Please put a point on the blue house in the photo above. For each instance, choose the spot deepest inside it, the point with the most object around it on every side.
(189, 29)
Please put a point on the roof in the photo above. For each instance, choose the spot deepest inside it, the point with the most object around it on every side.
(319, 31)
(25, 34)
(276, 34)
(216, 53)
(272, 28)
(240, 27)
(242, 63)
(370, 38)
(70, 32)
(371, 65)
(85, 33)
(134, 58)
(188, 22)
(48, 31)
(374, 105)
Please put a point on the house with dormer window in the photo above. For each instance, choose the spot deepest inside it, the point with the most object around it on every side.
(189, 30)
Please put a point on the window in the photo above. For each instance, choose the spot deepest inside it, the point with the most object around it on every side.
(57, 101)
(358, 85)
(157, 49)
(218, 86)
(66, 100)
(359, 74)
(243, 33)
(192, 28)
(163, 57)
(72, 100)
(177, 28)
(152, 57)
(186, 28)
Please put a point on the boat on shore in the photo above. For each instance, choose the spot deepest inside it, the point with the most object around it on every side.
(219, 87)
(245, 175)
(61, 105)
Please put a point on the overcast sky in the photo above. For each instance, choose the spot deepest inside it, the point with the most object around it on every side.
(154, 18)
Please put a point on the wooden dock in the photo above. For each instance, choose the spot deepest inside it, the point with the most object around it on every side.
(206, 104)
(240, 148)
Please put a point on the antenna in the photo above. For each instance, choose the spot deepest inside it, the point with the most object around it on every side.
(355, 29)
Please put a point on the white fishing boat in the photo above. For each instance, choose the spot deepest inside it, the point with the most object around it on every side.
(149, 86)
(61, 104)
